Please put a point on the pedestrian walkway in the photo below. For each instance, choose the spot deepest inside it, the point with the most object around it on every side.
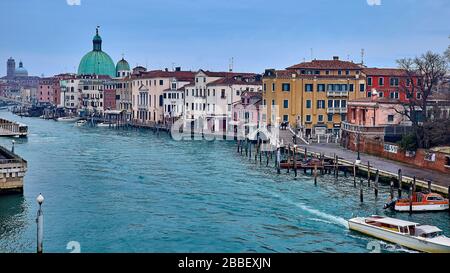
(382, 163)
(331, 149)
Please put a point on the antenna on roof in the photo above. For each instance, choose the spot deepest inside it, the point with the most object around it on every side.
(230, 65)
(362, 56)
(173, 66)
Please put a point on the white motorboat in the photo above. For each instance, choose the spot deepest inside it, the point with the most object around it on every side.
(81, 122)
(104, 124)
(408, 234)
(68, 119)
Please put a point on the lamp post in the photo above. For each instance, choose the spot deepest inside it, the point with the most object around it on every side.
(40, 224)
(358, 158)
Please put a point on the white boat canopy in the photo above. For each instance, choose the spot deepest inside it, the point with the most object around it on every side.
(391, 221)
(428, 229)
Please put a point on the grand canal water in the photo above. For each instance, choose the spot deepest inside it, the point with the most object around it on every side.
(134, 191)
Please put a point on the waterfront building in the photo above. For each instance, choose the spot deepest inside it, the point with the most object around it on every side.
(17, 83)
(173, 100)
(123, 97)
(70, 94)
(389, 83)
(376, 117)
(212, 95)
(246, 112)
(46, 90)
(92, 94)
(312, 96)
(147, 88)
(109, 95)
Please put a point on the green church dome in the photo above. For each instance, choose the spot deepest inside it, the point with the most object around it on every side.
(97, 62)
(122, 65)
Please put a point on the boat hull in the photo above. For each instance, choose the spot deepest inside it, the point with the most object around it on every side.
(421, 207)
(398, 238)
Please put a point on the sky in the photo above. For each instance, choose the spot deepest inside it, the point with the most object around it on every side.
(51, 36)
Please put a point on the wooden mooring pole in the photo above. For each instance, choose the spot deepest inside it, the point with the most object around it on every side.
(377, 176)
(361, 197)
(295, 160)
(392, 190)
(410, 196)
(278, 159)
(354, 175)
(368, 173)
(315, 174)
(399, 183)
(288, 158)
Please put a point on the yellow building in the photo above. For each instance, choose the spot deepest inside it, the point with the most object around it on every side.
(312, 96)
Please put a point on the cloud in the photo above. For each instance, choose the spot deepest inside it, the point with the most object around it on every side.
(374, 2)
(78, 2)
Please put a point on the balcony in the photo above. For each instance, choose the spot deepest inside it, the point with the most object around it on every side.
(337, 110)
(337, 93)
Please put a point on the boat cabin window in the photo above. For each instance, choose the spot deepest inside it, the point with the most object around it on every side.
(404, 229)
(435, 198)
(431, 235)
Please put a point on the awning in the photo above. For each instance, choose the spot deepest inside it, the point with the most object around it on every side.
(113, 112)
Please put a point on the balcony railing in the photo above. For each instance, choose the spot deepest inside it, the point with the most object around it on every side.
(337, 93)
(337, 110)
(364, 129)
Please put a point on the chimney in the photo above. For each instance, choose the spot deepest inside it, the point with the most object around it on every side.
(166, 69)
(178, 68)
(335, 58)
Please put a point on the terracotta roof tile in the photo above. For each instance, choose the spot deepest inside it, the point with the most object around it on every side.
(326, 64)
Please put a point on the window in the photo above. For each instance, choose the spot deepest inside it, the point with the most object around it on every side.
(419, 95)
(222, 93)
(337, 104)
(330, 87)
(308, 104)
(343, 103)
(408, 82)
(369, 94)
(339, 72)
(362, 87)
(320, 104)
(390, 118)
(320, 118)
(321, 87)
(264, 87)
(347, 72)
(330, 117)
(351, 87)
(286, 103)
(394, 95)
(327, 72)
(161, 82)
(381, 81)
(308, 118)
(317, 72)
(380, 94)
(308, 87)
(394, 82)
(330, 103)
(273, 102)
(369, 81)
(285, 118)
(273, 87)
(286, 87)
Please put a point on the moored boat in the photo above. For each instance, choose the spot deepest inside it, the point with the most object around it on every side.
(412, 235)
(104, 124)
(68, 119)
(80, 122)
(420, 202)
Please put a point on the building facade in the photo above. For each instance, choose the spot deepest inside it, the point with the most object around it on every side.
(312, 96)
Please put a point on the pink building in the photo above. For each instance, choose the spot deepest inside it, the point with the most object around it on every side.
(371, 116)
(246, 111)
(46, 90)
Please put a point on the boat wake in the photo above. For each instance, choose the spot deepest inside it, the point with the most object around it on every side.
(332, 218)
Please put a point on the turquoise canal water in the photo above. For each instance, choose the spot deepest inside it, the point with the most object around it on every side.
(134, 191)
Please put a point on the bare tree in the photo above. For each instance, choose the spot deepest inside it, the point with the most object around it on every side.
(423, 75)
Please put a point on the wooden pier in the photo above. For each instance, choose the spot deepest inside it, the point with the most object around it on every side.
(12, 172)
(296, 158)
(12, 129)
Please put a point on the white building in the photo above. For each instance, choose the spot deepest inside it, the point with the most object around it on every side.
(174, 100)
(212, 95)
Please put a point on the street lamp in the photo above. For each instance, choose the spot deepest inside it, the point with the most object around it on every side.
(358, 159)
(40, 224)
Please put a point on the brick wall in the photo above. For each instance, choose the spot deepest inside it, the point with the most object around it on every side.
(377, 148)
